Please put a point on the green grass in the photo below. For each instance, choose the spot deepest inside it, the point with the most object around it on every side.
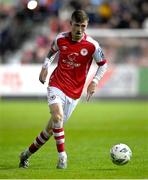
(90, 133)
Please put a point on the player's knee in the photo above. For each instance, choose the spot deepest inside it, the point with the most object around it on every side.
(49, 130)
(57, 117)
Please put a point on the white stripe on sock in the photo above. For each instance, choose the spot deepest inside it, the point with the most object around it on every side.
(58, 134)
(41, 139)
(60, 141)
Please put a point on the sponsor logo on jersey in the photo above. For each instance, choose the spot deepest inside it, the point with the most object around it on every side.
(71, 60)
(84, 52)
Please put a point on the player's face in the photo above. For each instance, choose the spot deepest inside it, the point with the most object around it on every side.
(77, 29)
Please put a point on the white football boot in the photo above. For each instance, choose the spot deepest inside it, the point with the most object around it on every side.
(62, 162)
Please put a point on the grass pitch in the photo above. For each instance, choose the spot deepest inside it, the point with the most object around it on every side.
(90, 133)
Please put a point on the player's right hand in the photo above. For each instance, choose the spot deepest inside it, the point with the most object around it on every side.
(43, 75)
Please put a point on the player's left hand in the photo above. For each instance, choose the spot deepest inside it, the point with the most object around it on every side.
(90, 90)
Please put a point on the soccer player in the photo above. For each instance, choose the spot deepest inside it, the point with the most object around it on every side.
(75, 51)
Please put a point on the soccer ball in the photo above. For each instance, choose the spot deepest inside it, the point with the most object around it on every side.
(120, 154)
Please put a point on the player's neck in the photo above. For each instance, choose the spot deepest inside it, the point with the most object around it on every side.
(73, 38)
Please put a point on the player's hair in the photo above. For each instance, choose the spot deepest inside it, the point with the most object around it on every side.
(79, 16)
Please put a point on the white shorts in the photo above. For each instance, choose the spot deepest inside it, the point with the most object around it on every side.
(55, 95)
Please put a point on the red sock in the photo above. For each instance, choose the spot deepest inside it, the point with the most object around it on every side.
(60, 139)
(40, 140)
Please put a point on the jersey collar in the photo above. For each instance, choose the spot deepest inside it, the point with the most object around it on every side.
(83, 37)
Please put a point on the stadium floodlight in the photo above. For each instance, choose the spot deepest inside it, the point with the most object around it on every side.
(32, 4)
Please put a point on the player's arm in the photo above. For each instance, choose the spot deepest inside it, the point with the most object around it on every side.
(93, 84)
(48, 60)
(44, 71)
(102, 67)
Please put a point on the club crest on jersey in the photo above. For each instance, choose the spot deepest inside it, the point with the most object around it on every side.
(84, 52)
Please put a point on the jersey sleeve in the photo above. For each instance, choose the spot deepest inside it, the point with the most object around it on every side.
(101, 62)
(53, 53)
(54, 46)
(99, 55)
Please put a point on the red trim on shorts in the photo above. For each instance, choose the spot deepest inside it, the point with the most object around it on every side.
(101, 63)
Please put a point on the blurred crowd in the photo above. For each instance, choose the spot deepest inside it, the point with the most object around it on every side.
(31, 31)
(125, 50)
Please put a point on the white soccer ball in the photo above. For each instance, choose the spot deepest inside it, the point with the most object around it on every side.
(120, 154)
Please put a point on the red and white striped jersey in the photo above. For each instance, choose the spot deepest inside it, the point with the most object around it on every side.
(74, 60)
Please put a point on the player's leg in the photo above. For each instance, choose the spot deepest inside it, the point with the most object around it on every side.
(56, 110)
(56, 101)
(39, 141)
(69, 107)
